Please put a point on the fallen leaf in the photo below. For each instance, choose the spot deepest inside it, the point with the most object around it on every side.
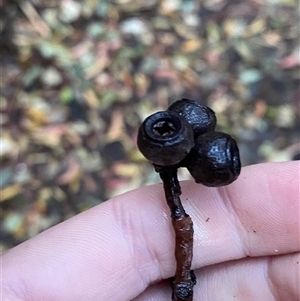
(9, 192)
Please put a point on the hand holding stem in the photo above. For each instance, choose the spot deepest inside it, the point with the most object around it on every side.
(185, 136)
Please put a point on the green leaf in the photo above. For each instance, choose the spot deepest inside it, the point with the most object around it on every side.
(66, 95)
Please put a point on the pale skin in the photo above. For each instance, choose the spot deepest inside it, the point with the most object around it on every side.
(246, 245)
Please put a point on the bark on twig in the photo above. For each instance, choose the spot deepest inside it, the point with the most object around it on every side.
(184, 279)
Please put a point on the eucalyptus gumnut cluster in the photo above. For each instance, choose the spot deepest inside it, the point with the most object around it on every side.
(184, 135)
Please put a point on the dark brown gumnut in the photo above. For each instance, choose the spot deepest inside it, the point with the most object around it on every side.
(201, 118)
(214, 160)
(165, 138)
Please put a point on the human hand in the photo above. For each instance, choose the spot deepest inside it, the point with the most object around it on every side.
(246, 245)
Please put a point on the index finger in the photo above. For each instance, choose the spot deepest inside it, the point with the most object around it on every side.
(115, 250)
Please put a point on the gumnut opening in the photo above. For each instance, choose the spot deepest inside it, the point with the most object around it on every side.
(165, 138)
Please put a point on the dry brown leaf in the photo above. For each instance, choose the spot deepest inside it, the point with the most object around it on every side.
(260, 108)
(36, 117)
(71, 176)
(192, 45)
(257, 26)
(116, 129)
(50, 135)
(10, 192)
(91, 98)
(126, 170)
(126, 77)
(190, 78)
(98, 67)
(36, 21)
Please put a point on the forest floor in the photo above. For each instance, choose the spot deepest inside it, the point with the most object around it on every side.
(78, 78)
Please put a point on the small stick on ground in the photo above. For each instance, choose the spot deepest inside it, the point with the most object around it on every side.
(184, 279)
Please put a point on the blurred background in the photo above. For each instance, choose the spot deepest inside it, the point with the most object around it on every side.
(79, 77)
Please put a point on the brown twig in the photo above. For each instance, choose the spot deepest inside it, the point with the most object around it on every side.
(184, 279)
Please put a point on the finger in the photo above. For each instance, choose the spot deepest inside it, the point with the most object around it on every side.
(257, 215)
(273, 278)
(113, 251)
